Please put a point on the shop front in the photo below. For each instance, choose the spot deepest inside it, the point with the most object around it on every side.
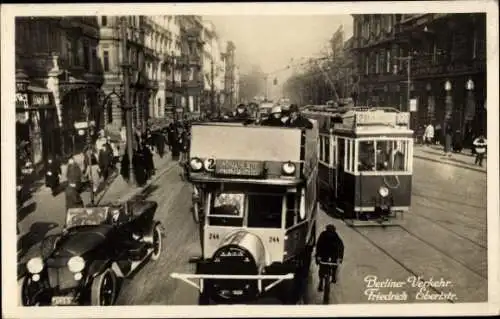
(37, 132)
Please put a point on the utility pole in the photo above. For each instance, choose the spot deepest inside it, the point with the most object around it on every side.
(89, 145)
(126, 99)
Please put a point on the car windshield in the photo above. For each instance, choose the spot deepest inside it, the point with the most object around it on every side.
(90, 216)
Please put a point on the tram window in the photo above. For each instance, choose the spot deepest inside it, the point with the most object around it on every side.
(341, 151)
(227, 209)
(264, 211)
(366, 156)
(382, 155)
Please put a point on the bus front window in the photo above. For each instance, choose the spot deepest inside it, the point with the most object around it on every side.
(264, 210)
(227, 209)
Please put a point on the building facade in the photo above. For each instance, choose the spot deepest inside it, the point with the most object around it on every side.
(447, 66)
(113, 30)
(229, 76)
(58, 83)
(191, 61)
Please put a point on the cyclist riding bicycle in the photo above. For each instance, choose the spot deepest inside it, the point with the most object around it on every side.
(329, 248)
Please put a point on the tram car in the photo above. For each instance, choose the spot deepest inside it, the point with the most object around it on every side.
(365, 163)
(256, 203)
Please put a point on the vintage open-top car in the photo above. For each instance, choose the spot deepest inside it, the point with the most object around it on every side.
(98, 245)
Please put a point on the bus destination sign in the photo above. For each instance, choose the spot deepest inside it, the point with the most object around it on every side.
(239, 168)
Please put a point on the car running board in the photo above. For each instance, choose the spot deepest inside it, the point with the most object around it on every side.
(187, 278)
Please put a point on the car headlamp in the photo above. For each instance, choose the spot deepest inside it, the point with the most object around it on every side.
(76, 264)
(383, 191)
(288, 168)
(196, 164)
(35, 265)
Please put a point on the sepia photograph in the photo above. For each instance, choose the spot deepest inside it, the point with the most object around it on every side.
(192, 156)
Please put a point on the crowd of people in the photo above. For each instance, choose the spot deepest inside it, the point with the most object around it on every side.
(454, 141)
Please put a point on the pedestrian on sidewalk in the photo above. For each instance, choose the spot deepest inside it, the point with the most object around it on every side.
(457, 142)
(91, 167)
(429, 134)
(74, 174)
(480, 148)
(149, 165)
(125, 167)
(73, 197)
(138, 163)
(159, 140)
(448, 140)
(52, 174)
(104, 162)
(437, 134)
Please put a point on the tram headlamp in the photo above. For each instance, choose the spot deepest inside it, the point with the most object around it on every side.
(76, 264)
(383, 191)
(196, 164)
(288, 168)
(35, 265)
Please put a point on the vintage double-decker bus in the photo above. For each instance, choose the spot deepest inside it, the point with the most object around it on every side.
(365, 163)
(255, 200)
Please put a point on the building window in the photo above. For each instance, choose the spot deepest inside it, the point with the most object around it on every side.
(367, 64)
(78, 52)
(106, 61)
(104, 21)
(474, 44)
(69, 52)
(86, 58)
(93, 60)
(376, 63)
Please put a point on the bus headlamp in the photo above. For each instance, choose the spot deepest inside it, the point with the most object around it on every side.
(76, 264)
(196, 164)
(35, 265)
(288, 168)
(383, 191)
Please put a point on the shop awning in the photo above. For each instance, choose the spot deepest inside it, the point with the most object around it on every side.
(38, 89)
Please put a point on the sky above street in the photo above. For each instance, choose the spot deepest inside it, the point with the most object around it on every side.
(271, 41)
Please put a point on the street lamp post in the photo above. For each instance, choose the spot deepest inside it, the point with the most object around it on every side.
(408, 78)
(173, 85)
(89, 145)
(126, 100)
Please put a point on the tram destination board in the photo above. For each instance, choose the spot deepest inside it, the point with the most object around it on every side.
(239, 168)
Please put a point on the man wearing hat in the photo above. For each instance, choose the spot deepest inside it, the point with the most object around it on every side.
(296, 119)
(275, 118)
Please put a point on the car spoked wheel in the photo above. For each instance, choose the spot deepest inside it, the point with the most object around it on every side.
(103, 292)
(157, 242)
(29, 290)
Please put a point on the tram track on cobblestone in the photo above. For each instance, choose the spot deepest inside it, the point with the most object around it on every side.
(438, 223)
(442, 252)
(397, 261)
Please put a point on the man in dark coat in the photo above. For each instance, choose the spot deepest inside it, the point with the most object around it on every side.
(296, 119)
(52, 174)
(159, 139)
(104, 162)
(125, 167)
(74, 173)
(329, 247)
(138, 162)
(149, 165)
(274, 119)
(73, 198)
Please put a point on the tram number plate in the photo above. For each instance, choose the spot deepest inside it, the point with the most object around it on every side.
(62, 300)
(238, 168)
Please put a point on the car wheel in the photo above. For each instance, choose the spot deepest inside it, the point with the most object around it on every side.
(28, 290)
(157, 242)
(103, 290)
